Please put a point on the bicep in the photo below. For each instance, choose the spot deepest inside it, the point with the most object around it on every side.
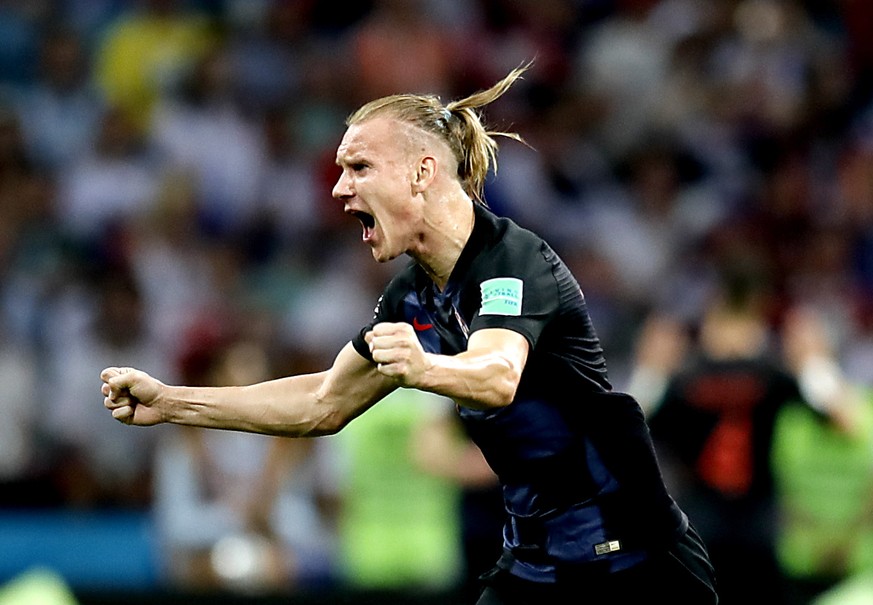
(507, 344)
(488, 373)
(485, 375)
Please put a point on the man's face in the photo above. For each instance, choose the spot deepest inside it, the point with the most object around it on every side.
(376, 185)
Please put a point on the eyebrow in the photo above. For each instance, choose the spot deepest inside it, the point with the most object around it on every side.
(351, 159)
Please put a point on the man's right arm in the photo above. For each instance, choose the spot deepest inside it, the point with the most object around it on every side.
(295, 406)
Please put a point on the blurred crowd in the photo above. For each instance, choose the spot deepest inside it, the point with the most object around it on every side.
(165, 176)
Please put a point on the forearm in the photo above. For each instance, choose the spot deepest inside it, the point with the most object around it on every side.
(286, 407)
(296, 406)
(478, 380)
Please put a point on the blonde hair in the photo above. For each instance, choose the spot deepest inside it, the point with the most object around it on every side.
(458, 123)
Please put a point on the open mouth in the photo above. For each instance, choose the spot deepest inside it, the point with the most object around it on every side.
(368, 222)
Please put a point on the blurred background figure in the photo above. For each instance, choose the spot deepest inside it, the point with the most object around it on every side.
(237, 512)
(442, 449)
(112, 183)
(21, 470)
(398, 526)
(393, 31)
(146, 51)
(60, 108)
(22, 217)
(190, 124)
(716, 426)
(824, 475)
(85, 326)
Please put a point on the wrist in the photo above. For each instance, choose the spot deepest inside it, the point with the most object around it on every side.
(426, 378)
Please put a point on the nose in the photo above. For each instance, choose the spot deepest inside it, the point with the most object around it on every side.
(342, 189)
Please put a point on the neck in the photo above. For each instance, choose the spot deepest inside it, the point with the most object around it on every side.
(443, 239)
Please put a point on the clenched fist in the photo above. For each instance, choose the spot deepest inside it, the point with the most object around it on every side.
(132, 396)
(397, 353)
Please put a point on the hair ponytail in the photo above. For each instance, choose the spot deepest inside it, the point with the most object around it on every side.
(476, 148)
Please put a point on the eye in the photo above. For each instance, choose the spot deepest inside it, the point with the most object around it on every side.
(358, 167)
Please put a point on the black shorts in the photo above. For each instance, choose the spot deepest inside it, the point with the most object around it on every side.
(682, 575)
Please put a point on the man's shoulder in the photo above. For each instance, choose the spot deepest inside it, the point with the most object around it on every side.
(502, 228)
(504, 238)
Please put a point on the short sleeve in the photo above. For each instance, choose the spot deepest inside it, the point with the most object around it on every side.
(518, 291)
(358, 341)
(387, 309)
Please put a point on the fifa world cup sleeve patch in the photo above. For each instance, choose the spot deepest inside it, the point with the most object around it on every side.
(501, 296)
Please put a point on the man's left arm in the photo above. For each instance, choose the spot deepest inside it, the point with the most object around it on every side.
(484, 376)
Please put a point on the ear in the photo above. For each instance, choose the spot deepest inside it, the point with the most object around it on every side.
(425, 173)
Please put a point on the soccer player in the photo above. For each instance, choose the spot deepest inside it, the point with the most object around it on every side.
(488, 315)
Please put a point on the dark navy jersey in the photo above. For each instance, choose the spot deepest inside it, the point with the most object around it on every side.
(717, 419)
(575, 460)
